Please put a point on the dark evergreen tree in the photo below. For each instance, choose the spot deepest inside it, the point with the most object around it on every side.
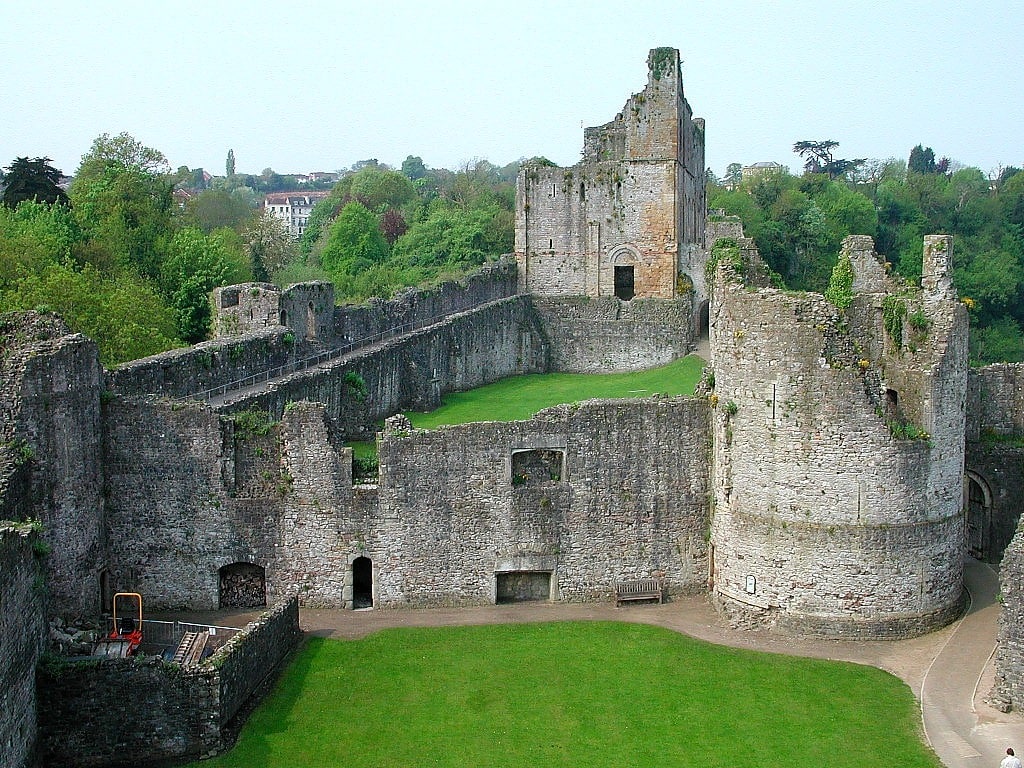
(33, 179)
(922, 160)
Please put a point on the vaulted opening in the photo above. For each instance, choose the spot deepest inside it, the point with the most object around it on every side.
(243, 585)
(978, 511)
(362, 583)
(523, 586)
(624, 282)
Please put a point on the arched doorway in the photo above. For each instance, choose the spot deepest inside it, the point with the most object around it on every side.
(978, 512)
(362, 583)
(243, 585)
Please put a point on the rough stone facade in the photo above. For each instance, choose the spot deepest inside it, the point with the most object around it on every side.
(175, 714)
(22, 640)
(51, 448)
(830, 517)
(628, 220)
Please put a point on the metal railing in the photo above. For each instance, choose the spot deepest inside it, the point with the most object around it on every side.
(315, 360)
(164, 633)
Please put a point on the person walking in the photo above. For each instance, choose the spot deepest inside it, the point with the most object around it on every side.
(1011, 760)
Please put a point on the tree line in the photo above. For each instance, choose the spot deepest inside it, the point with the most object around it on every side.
(798, 223)
(129, 260)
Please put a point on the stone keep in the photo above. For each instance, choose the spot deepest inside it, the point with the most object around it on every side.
(839, 449)
(628, 219)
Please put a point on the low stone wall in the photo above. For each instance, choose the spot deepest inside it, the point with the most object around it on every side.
(254, 654)
(22, 640)
(599, 335)
(119, 712)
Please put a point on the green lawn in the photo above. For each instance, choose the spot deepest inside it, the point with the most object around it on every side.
(520, 397)
(574, 694)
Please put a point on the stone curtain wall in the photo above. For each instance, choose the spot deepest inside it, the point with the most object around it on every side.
(417, 307)
(452, 513)
(50, 402)
(995, 401)
(254, 654)
(1008, 690)
(126, 712)
(23, 635)
(826, 523)
(412, 372)
(193, 370)
(599, 335)
(180, 506)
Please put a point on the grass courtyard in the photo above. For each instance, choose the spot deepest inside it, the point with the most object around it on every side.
(520, 397)
(574, 694)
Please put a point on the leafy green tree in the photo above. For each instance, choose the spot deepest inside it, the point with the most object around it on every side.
(33, 179)
(733, 175)
(818, 158)
(355, 242)
(197, 263)
(229, 165)
(413, 168)
(33, 236)
(215, 208)
(123, 314)
(122, 152)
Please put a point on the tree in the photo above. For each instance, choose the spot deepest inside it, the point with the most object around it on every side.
(34, 180)
(122, 152)
(818, 158)
(413, 168)
(229, 166)
(269, 245)
(355, 242)
(922, 160)
(733, 175)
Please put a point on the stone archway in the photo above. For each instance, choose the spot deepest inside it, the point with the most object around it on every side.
(978, 518)
(624, 262)
(243, 585)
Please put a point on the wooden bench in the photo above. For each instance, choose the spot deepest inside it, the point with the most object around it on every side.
(641, 589)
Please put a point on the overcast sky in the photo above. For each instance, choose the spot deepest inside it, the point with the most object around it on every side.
(320, 85)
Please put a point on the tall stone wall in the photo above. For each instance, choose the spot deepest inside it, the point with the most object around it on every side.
(461, 505)
(126, 712)
(419, 307)
(208, 365)
(635, 202)
(22, 641)
(411, 372)
(1008, 689)
(829, 520)
(598, 335)
(186, 498)
(50, 384)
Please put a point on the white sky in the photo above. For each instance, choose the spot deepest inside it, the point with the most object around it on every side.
(303, 86)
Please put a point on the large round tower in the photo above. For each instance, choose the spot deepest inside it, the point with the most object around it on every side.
(839, 434)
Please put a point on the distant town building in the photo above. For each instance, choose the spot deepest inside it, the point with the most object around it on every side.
(761, 169)
(318, 176)
(293, 208)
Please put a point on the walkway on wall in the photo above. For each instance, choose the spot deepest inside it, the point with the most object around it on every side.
(949, 671)
(230, 394)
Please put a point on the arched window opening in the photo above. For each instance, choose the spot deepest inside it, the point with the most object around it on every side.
(624, 282)
(362, 583)
(243, 585)
(284, 317)
(310, 322)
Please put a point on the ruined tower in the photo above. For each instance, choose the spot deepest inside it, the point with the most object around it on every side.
(628, 219)
(839, 453)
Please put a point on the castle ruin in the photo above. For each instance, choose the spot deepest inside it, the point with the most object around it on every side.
(816, 484)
